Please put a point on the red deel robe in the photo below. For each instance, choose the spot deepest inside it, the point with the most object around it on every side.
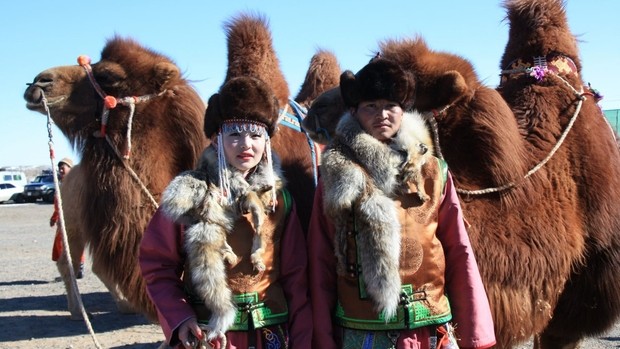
(162, 258)
(470, 307)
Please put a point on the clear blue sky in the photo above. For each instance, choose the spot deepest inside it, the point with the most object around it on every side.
(37, 35)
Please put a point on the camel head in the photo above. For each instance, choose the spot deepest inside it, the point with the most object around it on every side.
(125, 69)
(323, 115)
(442, 78)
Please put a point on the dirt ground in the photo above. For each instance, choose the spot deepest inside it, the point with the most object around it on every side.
(33, 306)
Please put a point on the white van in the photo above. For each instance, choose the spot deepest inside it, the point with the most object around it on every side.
(17, 178)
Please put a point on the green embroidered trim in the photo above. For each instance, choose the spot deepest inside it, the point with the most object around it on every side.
(443, 169)
(252, 314)
(288, 200)
(411, 314)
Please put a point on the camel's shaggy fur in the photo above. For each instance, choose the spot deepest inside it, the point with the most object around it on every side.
(102, 200)
(584, 174)
(547, 241)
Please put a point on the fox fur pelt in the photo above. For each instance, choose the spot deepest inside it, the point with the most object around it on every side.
(194, 199)
(362, 176)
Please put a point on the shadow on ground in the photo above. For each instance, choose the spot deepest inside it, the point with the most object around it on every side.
(104, 317)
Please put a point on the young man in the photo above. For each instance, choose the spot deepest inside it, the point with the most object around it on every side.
(391, 265)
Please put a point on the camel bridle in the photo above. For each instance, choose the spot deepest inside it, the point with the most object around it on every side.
(111, 102)
(539, 70)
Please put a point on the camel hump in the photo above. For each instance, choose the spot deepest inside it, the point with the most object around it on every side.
(251, 53)
(529, 18)
(323, 74)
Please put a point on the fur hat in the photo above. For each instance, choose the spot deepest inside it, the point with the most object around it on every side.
(65, 161)
(244, 99)
(379, 79)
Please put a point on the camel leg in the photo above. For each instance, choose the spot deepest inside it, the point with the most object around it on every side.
(122, 305)
(76, 245)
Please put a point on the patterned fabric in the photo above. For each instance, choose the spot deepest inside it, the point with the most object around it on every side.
(275, 337)
(355, 339)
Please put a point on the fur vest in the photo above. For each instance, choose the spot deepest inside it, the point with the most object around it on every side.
(362, 177)
(194, 199)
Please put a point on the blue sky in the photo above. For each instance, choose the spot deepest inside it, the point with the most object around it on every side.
(37, 35)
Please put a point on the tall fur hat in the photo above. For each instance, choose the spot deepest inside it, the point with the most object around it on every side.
(379, 79)
(245, 99)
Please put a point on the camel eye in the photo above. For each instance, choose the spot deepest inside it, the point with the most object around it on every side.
(109, 75)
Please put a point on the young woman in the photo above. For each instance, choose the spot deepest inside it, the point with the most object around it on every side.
(224, 257)
(391, 265)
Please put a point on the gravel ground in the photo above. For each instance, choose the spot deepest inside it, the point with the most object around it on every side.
(33, 306)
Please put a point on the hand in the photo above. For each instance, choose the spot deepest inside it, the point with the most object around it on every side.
(189, 326)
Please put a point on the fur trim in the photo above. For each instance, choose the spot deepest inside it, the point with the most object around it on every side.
(379, 79)
(243, 98)
(193, 199)
(362, 176)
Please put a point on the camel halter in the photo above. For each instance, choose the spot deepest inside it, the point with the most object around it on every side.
(110, 102)
(61, 221)
(539, 71)
(294, 121)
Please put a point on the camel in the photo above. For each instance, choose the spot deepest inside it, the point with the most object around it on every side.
(587, 165)
(105, 206)
(111, 195)
(543, 216)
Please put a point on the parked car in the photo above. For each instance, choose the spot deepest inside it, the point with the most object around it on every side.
(17, 178)
(9, 192)
(42, 187)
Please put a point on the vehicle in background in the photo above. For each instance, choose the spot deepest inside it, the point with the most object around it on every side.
(42, 187)
(17, 178)
(10, 192)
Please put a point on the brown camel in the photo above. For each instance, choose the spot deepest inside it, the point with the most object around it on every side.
(544, 222)
(105, 207)
(586, 168)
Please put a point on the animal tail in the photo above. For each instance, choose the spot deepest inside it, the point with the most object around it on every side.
(379, 239)
(209, 279)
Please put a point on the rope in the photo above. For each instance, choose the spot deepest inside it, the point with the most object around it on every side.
(581, 98)
(110, 102)
(133, 173)
(65, 240)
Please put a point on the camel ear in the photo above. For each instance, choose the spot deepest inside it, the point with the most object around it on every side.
(450, 87)
(349, 89)
(165, 72)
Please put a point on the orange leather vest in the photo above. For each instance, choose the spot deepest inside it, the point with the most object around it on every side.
(422, 265)
(259, 297)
